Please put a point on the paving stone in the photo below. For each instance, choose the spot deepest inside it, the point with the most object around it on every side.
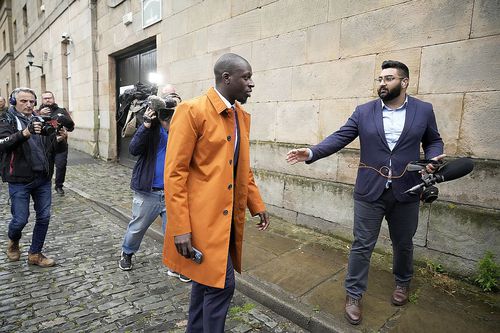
(86, 291)
(52, 323)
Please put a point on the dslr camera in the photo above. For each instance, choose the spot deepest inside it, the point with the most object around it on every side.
(47, 125)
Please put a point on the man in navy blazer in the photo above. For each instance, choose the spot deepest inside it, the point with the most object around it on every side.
(390, 131)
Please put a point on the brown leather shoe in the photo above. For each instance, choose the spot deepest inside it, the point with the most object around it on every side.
(13, 252)
(40, 260)
(352, 310)
(400, 295)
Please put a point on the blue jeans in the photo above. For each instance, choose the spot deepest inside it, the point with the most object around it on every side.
(20, 193)
(146, 207)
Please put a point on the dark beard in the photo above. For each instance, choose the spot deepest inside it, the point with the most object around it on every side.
(390, 94)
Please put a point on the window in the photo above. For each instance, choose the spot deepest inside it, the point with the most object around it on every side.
(151, 12)
(40, 7)
(14, 25)
(25, 19)
(28, 77)
(4, 40)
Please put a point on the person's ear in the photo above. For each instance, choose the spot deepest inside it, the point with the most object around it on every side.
(226, 77)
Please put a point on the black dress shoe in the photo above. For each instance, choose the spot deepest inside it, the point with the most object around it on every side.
(352, 310)
(60, 191)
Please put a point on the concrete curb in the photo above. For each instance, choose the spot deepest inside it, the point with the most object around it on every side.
(268, 295)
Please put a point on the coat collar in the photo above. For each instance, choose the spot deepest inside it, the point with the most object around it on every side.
(216, 101)
(219, 105)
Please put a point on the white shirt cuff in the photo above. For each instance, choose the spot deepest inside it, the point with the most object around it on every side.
(310, 155)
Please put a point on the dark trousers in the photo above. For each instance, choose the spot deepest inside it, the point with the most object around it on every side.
(402, 219)
(61, 161)
(209, 306)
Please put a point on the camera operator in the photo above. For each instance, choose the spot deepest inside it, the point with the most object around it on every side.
(149, 143)
(64, 124)
(28, 145)
(3, 105)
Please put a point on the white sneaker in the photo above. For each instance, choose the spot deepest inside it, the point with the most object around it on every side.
(172, 273)
(181, 277)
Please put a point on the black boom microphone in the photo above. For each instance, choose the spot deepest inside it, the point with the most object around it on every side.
(455, 169)
(450, 171)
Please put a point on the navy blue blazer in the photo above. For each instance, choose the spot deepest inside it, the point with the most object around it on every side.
(366, 122)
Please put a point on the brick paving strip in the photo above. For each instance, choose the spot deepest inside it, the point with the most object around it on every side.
(86, 292)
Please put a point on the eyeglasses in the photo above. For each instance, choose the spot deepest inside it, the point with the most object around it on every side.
(388, 78)
(24, 101)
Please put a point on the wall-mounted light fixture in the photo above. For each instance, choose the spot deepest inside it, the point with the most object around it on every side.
(30, 57)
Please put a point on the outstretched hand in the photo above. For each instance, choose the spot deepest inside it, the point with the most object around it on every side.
(297, 155)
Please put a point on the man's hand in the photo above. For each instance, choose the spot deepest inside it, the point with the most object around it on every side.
(183, 245)
(149, 115)
(44, 112)
(297, 155)
(264, 220)
(431, 168)
(62, 135)
(33, 128)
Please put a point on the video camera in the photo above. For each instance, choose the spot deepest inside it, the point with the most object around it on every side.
(50, 124)
(48, 127)
(164, 110)
(444, 172)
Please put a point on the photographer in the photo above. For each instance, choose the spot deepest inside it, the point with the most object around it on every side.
(64, 124)
(149, 144)
(28, 146)
(3, 105)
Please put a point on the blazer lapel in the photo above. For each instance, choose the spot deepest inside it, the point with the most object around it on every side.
(411, 110)
(379, 122)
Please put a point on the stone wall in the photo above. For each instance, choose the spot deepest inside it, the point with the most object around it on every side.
(313, 62)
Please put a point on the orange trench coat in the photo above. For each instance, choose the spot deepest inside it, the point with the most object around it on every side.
(199, 187)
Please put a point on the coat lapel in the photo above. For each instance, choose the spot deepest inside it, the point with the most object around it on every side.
(379, 122)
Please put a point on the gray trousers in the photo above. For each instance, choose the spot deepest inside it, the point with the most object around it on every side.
(402, 219)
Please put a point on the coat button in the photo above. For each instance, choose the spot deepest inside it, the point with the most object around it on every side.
(230, 186)
(230, 162)
(229, 138)
(225, 212)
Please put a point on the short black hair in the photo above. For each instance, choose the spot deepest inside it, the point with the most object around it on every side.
(229, 62)
(402, 68)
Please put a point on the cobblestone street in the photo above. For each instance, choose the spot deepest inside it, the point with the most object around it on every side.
(86, 291)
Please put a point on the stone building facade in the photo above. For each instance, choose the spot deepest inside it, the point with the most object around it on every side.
(313, 62)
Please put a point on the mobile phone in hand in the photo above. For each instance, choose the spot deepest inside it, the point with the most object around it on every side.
(197, 256)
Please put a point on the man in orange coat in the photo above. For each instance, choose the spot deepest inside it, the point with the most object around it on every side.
(208, 185)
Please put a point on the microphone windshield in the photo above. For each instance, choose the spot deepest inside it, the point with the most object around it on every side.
(454, 169)
(156, 103)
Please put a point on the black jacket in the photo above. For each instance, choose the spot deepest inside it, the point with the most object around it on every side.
(15, 151)
(63, 118)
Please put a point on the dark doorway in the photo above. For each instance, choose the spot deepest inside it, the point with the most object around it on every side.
(132, 68)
